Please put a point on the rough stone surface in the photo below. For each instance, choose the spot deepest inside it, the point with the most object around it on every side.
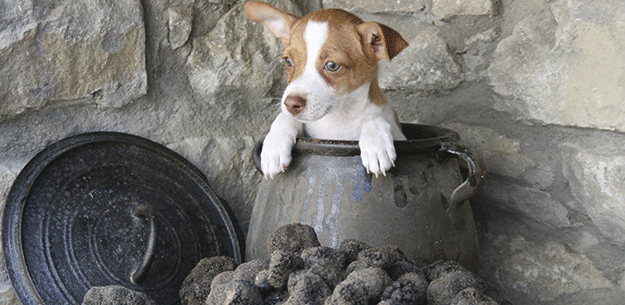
(444, 289)
(549, 271)
(535, 204)
(390, 258)
(237, 292)
(293, 238)
(360, 287)
(445, 9)
(401, 267)
(424, 67)
(237, 54)
(504, 155)
(330, 272)
(318, 276)
(441, 268)
(373, 6)
(472, 296)
(352, 248)
(382, 257)
(307, 288)
(565, 65)
(320, 255)
(307, 6)
(8, 173)
(597, 182)
(410, 288)
(355, 266)
(327, 263)
(248, 270)
(7, 294)
(220, 279)
(180, 25)
(92, 51)
(281, 265)
(591, 296)
(115, 295)
(197, 285)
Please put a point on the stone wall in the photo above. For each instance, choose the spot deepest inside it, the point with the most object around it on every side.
(538, 86)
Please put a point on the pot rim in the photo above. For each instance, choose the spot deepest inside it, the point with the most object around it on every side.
(421, 139)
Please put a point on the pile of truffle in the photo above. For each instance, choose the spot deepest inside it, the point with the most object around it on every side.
(301, 271)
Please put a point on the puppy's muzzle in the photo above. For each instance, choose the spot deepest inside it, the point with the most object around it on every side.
(295, 104)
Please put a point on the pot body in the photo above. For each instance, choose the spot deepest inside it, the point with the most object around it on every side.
(409, 207)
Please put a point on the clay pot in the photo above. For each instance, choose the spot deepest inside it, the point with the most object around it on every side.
(420, 205)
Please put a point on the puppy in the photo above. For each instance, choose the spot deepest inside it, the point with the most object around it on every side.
(331, 57)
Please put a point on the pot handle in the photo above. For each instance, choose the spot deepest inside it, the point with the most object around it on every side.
(147, 212)
(470, 187)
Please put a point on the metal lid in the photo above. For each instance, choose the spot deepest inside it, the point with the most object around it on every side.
(108, 208)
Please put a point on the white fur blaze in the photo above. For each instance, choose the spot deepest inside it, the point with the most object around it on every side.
(315, 35)
(310, 84)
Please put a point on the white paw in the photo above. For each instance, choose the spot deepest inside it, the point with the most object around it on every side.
(276, 154)
(377, 152)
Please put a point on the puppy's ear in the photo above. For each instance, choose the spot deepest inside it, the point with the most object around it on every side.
(379, 41)
(277, 21)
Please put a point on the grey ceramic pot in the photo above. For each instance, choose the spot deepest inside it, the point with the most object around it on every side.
(420, 205)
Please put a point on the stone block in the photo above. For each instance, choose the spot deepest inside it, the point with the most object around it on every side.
(424, 67)
(180, 24)
(307, 6)
(542, 273)
(373, 6)
(598, 184)
(564, 66)
(444, 9)
(238, 54)
(197, 285)
(85, 51)
(534, 204)
(503, 156)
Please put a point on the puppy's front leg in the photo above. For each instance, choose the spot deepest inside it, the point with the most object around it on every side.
(276, 153)
(377, 150)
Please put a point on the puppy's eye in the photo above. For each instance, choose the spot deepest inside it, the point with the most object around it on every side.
(332, 66)
(288, 61)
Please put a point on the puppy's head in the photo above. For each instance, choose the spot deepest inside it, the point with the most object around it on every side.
(331, 57)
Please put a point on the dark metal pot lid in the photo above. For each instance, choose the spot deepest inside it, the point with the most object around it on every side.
(108, 208)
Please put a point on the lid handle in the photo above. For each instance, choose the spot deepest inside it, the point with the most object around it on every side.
(147, 212)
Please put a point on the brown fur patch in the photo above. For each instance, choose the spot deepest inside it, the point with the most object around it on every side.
(344, 46)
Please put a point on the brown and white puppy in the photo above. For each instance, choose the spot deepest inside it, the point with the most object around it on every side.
(331, 57)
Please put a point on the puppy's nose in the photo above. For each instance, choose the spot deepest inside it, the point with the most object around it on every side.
(295, 104)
